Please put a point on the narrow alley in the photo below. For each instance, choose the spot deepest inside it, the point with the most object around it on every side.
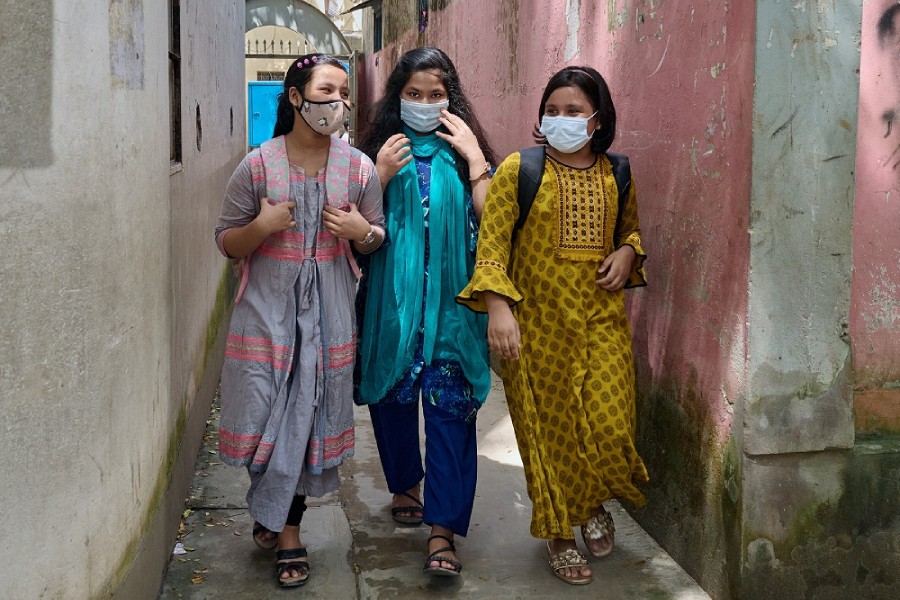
(764, 143)
(358, 552)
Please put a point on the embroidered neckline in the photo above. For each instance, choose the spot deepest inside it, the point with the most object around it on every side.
(582, 211)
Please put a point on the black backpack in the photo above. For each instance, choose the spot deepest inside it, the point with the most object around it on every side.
(531, 171)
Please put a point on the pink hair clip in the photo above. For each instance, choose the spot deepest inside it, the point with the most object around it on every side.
(315, 59)
(305, 61)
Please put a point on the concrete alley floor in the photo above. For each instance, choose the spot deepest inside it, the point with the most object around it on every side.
(358, 552)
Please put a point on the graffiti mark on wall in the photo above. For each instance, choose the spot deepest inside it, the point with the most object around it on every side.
(888, 28)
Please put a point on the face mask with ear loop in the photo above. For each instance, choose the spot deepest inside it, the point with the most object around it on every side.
(324, 117)
(566, 134)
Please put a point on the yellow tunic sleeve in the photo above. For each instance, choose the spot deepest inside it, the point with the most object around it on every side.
(501, 210)
(628, 233)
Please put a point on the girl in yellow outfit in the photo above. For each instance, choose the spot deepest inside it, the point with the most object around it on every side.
(554, 296)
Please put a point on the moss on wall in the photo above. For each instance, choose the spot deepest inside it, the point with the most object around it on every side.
(223, 302)
(160, 487)
(217, 320)
(837, 549)
(694, 490)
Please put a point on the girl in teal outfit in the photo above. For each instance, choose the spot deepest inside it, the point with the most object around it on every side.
(415, 339)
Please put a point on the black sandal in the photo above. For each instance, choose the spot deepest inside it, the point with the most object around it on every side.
(289, 560)
(409, 518)
(456, 566)
(265, 544)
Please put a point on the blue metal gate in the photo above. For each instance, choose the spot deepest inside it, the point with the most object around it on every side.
(262, 107)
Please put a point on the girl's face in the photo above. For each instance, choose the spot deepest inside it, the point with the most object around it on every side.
(424, 87)
(571, 101)
(328, 82)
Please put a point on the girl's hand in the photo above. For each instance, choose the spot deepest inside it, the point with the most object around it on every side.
(273, 217)
(614, 269)
(463, 140)
(503, 334)
(392, 157)
(348, 224)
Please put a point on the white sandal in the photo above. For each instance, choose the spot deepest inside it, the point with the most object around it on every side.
(568, 559)
(598, 527)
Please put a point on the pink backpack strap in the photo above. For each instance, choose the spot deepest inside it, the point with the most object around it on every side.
(269, 171)
(337, 188)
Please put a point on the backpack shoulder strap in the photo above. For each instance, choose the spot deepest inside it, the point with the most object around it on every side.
(531, 171)
(621, 169)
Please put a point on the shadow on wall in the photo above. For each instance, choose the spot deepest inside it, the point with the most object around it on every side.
(26, 87)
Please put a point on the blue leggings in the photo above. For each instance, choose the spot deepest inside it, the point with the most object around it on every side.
(450, 459)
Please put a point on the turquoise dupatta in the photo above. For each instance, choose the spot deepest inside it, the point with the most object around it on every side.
(393, 307)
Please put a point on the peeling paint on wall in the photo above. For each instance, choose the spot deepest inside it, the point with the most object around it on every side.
(573, 25)
(875, 318)
(126, 43)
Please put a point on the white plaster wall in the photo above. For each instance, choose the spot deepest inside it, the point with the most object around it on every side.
(213, 79)
(805, 104)
(107, 283)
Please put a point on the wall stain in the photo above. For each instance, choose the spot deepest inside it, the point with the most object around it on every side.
(126, 43)
(785, 124)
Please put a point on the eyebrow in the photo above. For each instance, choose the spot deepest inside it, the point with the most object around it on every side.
(415, 89)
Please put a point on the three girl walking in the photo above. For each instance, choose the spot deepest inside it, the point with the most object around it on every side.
(552, 294)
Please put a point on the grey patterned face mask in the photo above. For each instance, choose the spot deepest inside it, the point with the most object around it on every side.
(324, 117)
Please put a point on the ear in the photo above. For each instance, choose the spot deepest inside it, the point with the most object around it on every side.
(294, 96)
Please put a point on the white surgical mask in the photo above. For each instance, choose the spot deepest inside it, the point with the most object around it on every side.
(422, 117)
(324, 117)
(566, 134)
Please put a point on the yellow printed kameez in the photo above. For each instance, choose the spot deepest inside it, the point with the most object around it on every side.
(571, 393)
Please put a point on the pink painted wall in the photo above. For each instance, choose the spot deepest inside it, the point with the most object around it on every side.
(683, 97)
(875, 297)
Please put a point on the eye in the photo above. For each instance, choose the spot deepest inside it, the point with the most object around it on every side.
(437, 95)
(412, 94)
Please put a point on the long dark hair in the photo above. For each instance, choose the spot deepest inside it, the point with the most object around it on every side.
(593, 85)
(384, 117)
(298, 75)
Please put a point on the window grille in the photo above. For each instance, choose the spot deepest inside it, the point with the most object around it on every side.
(270, 75)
